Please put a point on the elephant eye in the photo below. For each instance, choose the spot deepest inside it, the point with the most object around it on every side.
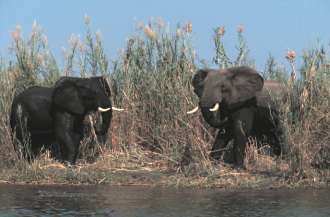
(224, 88)
(199, 85)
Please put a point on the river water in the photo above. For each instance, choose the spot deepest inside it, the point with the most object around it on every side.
(29, 200)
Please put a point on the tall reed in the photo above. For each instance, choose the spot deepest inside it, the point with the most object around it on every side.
(151, 79)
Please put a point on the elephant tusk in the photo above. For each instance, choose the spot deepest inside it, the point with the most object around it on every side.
(103, 109)
(117, 109)
(193, 110)
(107, 109)
(215, 108)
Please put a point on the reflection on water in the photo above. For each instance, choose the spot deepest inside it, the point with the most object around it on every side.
(16, 200)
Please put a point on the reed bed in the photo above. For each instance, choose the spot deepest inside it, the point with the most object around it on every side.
(154, 141)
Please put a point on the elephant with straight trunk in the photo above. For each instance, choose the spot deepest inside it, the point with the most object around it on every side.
(239, 102)
(53, 116)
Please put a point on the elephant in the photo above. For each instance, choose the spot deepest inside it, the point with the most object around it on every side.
(52, 117)
(241, 104)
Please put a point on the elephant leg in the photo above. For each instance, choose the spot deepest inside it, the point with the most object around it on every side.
(22, 141)
(277, 140)
(276, 133)
(66, 137)
(220, 144)
(19, 144)
(242, 126)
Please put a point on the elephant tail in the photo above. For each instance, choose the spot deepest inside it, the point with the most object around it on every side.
(18, 117)
(12, 118)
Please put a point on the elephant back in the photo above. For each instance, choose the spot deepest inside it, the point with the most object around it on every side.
(60, 81)
(272, 94)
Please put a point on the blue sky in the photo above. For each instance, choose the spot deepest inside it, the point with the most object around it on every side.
(271, 26)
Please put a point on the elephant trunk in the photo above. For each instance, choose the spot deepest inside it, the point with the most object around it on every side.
(211, 99)
(213, 118)
(106, 113)
(211, 108)
(106, 120)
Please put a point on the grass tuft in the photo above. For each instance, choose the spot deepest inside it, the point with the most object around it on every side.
(154, 141)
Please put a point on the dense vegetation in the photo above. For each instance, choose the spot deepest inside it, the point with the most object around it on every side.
(154, 141)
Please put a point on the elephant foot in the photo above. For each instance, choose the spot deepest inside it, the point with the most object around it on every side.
(228, 156)
(239, 166)
(239, 163)
(215, 155)
(68, 164)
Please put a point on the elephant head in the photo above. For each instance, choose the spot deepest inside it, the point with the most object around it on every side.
(224, 90)
(79, 96)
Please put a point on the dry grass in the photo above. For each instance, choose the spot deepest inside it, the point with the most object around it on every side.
(154, 142)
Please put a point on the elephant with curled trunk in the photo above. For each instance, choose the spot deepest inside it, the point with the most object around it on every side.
(53, 116)
(239, 102)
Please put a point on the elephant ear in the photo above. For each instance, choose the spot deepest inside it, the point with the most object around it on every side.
(105, 85)
(197, 81)
(66, 97)
(246, 82)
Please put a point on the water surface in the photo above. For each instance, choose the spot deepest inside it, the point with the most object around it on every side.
(27, 200)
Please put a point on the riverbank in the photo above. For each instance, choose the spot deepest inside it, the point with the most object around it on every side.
(145, 168)
(151, 79)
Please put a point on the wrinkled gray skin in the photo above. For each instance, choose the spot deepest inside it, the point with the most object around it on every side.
(54, 116)
(102, 90)
(246, 108)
